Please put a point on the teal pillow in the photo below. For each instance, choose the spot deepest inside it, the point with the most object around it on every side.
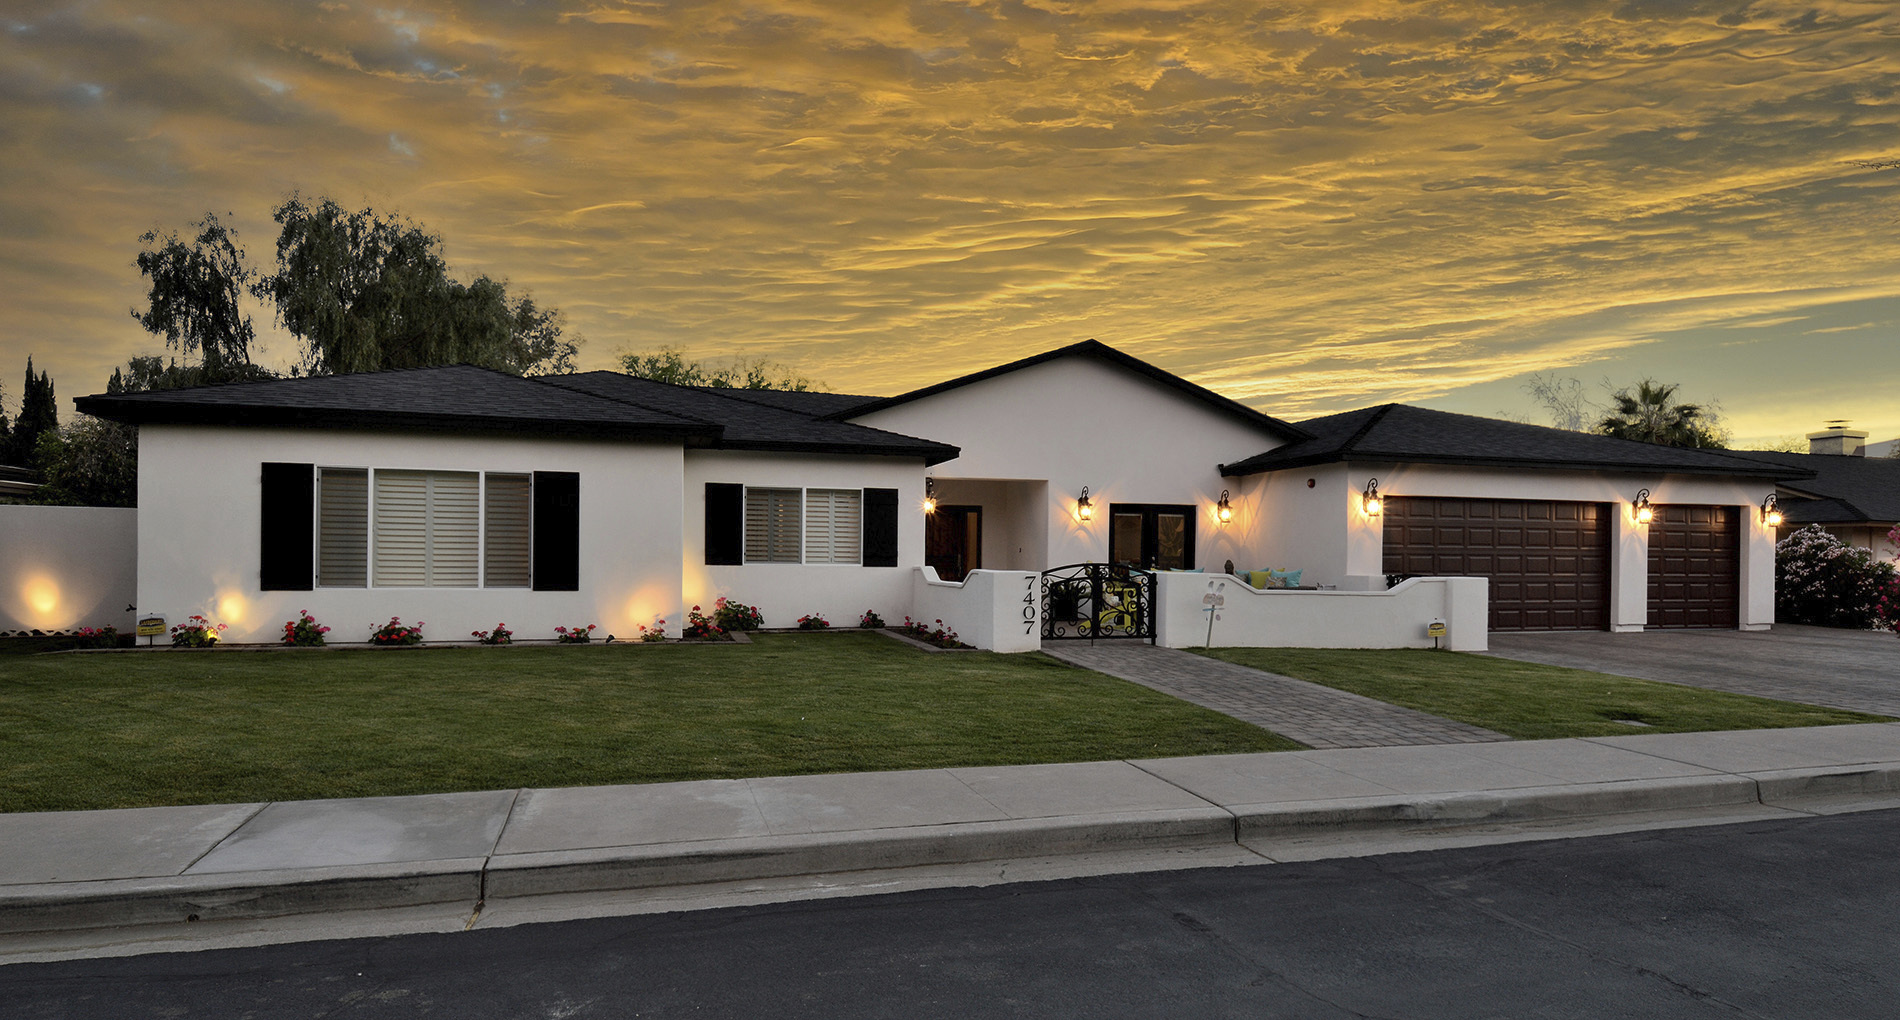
(1285, 578)
(1187, 570)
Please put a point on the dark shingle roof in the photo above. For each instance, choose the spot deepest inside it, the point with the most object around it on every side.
(1103, 352)
(458, 398)
(801, 401)
(749, 424)
(1844, 489)
(1397, 432)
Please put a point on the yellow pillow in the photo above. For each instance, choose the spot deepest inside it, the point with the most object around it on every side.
(1260, 578)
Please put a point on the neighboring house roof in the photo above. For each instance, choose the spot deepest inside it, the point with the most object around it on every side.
(17, 481)
(749, 422)
(1397, 432)
(1100, 351)
(465, 399)
(1843, 489)
(457, 398)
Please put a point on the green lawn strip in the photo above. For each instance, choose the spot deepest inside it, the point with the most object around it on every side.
(135, 730)
(1527, 700)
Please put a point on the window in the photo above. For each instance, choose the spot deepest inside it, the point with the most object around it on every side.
(343, 528)
(505, 531)
(833, 525)
(426, 529)
(773, 520)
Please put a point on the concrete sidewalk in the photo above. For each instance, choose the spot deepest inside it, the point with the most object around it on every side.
(66, 871)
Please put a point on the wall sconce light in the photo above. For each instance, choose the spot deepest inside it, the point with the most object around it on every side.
(930, 495)
(1223, 510)
(1644, 512)
(1370, 500)
(1771, 511)
(1084, 510)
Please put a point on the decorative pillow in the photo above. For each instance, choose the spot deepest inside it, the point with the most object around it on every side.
(1187, 570)
(1259, 578)
(1285, 578)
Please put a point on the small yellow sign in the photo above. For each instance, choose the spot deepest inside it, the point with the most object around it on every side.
(1435, 629)
(151, 626)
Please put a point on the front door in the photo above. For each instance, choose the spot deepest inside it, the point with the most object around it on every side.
(953, 541)
(1152, 536)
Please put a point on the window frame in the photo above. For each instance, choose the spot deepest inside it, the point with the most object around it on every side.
(804, 525)
(369, 529)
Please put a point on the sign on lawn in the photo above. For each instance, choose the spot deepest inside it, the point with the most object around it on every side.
(151, 626)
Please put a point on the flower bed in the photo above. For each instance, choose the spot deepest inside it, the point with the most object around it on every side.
(939, 635)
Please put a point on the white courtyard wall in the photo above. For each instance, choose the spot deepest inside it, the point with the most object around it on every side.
(66, 567)
(1395, 618)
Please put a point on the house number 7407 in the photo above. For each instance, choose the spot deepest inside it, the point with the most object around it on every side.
(1029, 604)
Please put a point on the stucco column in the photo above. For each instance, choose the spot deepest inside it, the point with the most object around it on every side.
(1629, 570)
(1757, 610)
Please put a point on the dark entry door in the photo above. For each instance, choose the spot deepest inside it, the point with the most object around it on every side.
(953, 541)
(1152, 536)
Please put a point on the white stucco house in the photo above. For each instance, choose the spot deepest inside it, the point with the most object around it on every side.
(463, 498)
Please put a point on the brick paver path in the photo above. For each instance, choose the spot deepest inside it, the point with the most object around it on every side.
(1310, 713)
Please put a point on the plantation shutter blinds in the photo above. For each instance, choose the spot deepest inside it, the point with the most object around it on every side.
(772, 525)
(506, 542)
(427, 529)
(343, 528)
(833, 523)
(284, 547)
(557, 531)
(880, 527)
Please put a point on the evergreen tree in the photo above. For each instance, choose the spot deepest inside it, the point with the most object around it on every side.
(39, 415)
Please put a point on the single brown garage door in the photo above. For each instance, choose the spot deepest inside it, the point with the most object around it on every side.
(1695, 566)
(1549, 563)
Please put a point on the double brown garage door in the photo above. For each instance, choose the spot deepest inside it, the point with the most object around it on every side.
(1549, 562)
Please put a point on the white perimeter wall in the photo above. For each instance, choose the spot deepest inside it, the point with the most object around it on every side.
(1079, 421)
(999, 610)
(783, 592)
(1322, 527)
(65, 567)
(198, 532)
(1396, 618)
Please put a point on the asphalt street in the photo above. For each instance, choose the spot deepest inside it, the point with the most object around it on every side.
(1797, 918)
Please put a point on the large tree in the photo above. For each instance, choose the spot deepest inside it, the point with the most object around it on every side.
(1649, 413)
(195, 301)
(91, 462)
(39, 415)
(367, 291)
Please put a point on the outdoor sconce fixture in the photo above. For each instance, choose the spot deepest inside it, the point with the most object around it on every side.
(1370, 501)
(1644, 512)
(1083, 509)
(930, 495)
(1223, 510)
(1771, 511)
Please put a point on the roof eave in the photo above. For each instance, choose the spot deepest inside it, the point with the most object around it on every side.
(1243, 468)
(149, 413)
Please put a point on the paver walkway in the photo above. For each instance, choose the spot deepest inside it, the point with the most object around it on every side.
(1313, 714)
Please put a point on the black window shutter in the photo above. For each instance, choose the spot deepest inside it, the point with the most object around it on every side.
(725, 524)
(557, 531)
(286, 550)
(880, 527)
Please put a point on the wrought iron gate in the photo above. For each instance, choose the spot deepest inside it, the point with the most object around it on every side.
(1098, 600)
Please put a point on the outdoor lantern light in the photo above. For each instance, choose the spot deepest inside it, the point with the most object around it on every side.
(1083, 509)
(1644, 512)
(1223, 509)
(1369, 501)
(930, 495)
(1771, 511)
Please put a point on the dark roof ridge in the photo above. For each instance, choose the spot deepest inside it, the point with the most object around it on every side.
(1378, 415)
(549, 380)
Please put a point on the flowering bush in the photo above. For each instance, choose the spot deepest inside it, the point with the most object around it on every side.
(577, 636)
(657, 632)
(940, 635)
(98, 637)
(700, 627)
(870, 620)
(736, 615)
(197, 632)
(304, 631)
(501, 635)
(396, 632)
(1823, 581)
(813, 622)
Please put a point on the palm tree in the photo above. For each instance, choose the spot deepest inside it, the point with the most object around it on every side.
(1648, 416)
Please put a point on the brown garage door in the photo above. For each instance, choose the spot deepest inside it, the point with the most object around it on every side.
(1695, 557)
(1549, 563)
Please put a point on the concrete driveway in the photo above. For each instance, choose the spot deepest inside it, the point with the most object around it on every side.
(1854, 670)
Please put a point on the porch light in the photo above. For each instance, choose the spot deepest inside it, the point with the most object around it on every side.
(1083, 509)
(1370, 501)
(1223, 509)
(1644, 512)
(930, 495)
(1771, 511)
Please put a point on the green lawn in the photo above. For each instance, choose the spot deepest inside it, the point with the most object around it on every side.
(131, 729)
(1530, 701)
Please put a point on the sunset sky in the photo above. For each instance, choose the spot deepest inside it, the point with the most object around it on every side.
(1306, 206)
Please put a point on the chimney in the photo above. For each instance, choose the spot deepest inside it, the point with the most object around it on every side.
(1839, 440)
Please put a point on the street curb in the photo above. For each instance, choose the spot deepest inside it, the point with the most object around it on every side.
(259, 894)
